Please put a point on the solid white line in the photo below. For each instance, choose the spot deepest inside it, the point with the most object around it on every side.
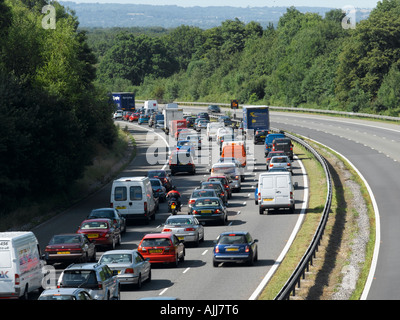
(162, 292)
(204, 252)
(186, 270)
(299, 222)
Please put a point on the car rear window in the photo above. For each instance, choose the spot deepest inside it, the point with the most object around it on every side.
(135, 192)
(94, 225)
(206, 203)
(76, 278)
(156, 242)
(232, 239)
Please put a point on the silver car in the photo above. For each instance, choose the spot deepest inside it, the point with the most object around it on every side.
(64, 294)
(280, 162)
(130, 266)
(200, 193)
(185, 227)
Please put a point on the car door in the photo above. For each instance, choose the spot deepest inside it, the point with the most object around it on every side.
(178, 245)
(89, 247)
(143, 266)
(110, 281)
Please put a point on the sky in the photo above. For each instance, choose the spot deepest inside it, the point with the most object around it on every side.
(248, 3)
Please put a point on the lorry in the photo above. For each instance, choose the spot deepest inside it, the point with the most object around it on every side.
(255, 118)
(171, 114)
(176, 126)
(150, 106)
(124, 101)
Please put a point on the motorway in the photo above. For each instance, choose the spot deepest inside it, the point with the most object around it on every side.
(196, 278)
(372, 147)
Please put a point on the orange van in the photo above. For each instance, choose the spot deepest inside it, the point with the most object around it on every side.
(237, 151)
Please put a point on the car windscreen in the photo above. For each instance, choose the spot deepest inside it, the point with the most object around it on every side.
(64, 239)
(156, 242)
(79, 279)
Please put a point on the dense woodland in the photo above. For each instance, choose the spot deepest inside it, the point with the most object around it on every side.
(52, 115)
(305, 60)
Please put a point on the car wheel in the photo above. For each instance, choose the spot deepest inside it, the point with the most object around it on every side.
(261, 210)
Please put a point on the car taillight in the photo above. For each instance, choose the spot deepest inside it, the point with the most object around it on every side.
(247, 249)
(111, 205)
(145, 206)
(190, 229)
(16, 279)
(271, 165)
(259, 196)
(100, 286)
(191, 201)
(216, 249)
(217, 211)
(167, 230)
(288, 164)
(195, 212)
(129, 270)
(291, 195)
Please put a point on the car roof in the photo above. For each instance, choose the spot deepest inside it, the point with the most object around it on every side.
(97, 219)
(120, 251)
(187, 216)
(157, 235)
(62, 291)
(234, 232)
(211, 198)
(84, 266)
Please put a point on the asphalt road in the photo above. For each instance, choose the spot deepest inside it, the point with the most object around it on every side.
(196, 278)
(373, 147)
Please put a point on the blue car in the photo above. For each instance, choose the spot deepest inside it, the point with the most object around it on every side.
(235, 246)
(185, 145)
(143, 119)
(268, 141)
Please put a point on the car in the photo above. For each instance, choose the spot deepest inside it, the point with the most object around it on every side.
(195, 139)
(203, 115)
(212, 128)
(162, 248)
(186, 227)
(280, 162)
(269, 139)
(233, 174)
(213, 109)
(222, 131)
(69, 247)
(270, 155)
(65, 294)
(225, 181)
(159, 190)
(190, 121)
(109, 213)
(225, 120)
(181, 133)
(131, 267)
(200, 193)
(225, 138)
(284, 144)
(97, 278)
(259, 136)
(159, 124)
(210, 209)
(143, 118)
(102, 232)
(218, 187)
(181, 161)
(237, 164)
(235, 246)
(201, 124)
(118, 114)
(163, 176)
(134, 116)
(186, 145)
(126, 115)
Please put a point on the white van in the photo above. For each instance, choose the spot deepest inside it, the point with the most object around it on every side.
(133, 197)
(150, 106)
(21, 266)
(275, 191)
(212, 128)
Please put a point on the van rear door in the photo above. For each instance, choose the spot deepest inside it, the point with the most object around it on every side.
(282, 190)
(126, 198)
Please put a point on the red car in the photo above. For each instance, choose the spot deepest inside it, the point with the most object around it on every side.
(102, 232)
(162, 248)
(134, 116)
(126, 115)
(70, 247)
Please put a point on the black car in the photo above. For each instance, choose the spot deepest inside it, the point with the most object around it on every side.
(163, 176)
(182, 161)
(210, 209)
(218, 187)
(213, 109)
(203, 115)
(109, 213)
(190, 121)
(225, 120)
(259, 136)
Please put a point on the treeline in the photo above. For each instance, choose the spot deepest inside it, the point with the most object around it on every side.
(52, 115)
(306, 60)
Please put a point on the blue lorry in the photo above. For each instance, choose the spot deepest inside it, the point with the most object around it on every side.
(124, 101)
(255, 118)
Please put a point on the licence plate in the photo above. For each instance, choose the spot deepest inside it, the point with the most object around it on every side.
(155, 250)
(181, 238)
(63, 252)
(92, 235)
(268, 199)
(173, 206)
(205, 211)
(232, 249)
(120, 207)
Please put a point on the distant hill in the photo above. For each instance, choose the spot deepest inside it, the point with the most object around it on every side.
(107, 15)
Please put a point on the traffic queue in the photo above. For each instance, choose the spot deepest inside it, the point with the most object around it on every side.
(138, 198)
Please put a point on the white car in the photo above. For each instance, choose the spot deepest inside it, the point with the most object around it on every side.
(231, 171)
(118, 114)
(185, 227)
(280, 162)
